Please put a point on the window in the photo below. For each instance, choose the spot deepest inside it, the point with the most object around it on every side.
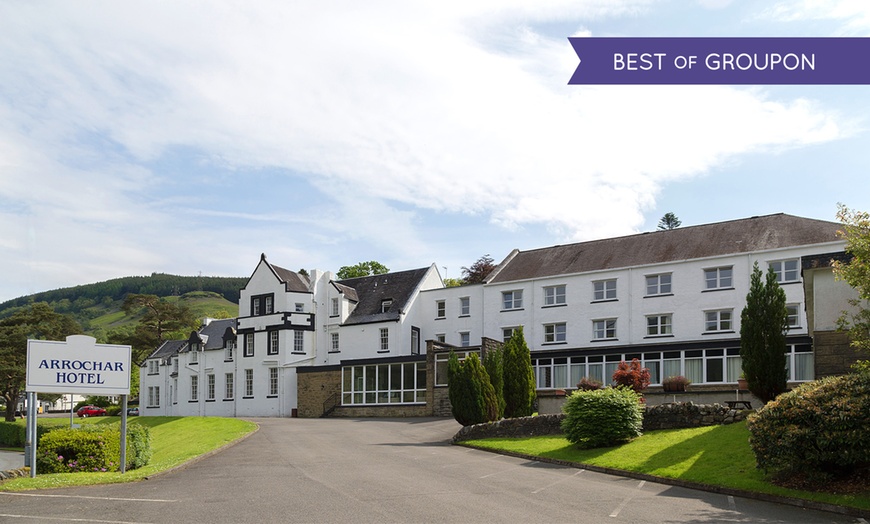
(153, 396)
(512, 299)
(658, 284)
(786, 270)
(604, 290)
(255, 307)
(249, 383)
(229, 389)
(464, 306)
(273, 343)
(465, 339)
(153, 367)
(273, 382)
(440, 309)
(334, 339)
(194, 387)
(175, 365)
(415, 340)
(385, 339)
(209, 387)
(262, 305)
(335, 308)
(386, 304)
(441, 337)
(194, 354)
(718, 320)
(300, 307)
(718, 278)
(400, 383)
(554, 295)
(249, 344)
(658, 325)
(173, 391)
(554, 333)
(799, 362)
(298, 341)
(794, 318)
(269, 308)
(604, 329)
(228, 352)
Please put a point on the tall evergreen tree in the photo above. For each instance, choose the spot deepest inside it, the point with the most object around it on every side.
(763, 325)
(669, 221)
(519, 378)
(493, 362)
(471, 395)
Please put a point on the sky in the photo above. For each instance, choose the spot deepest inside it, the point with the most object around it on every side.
(190, 137)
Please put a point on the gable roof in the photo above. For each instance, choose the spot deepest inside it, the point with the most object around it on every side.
(348, 292)
(722, 238)
(168, 349)
(212, 335)
(372, 290)
(293, 281)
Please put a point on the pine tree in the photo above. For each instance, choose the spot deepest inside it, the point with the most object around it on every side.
(493, 362)
(471, 395)
(763, 325)
(519, 378)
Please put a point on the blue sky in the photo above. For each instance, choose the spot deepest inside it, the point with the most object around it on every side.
(190, 137)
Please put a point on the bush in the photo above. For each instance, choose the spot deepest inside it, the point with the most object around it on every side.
(138, 446)
(817, 430)
(604, 417)
(519, 377)
(90, 448)
(113, 411)
(589, 384)
(675, 383)
(632, 375)
(472, 396)
(14, 435)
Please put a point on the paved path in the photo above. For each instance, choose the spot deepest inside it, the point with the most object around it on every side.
(361, 471)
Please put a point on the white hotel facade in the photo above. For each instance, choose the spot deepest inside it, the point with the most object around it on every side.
(669, 298)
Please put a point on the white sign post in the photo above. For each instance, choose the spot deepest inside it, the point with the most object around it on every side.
(79, 365)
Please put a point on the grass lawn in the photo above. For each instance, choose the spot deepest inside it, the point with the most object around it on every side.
(712, 455)
(171, 445)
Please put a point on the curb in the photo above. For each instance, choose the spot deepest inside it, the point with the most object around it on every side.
(766, 497)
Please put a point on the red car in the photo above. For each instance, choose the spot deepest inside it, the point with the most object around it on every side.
(91, 411)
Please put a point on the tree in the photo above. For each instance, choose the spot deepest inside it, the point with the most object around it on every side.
(632, 375)
(493, 362)
(478, 271)
(363, 269)
(763, 325)
(161, 320)
(519, 378)
(37, 321)
(856, 273)
(669, 221)
(472, 397)
(452, 282)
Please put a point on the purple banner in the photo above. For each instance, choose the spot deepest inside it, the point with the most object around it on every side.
(821, 61)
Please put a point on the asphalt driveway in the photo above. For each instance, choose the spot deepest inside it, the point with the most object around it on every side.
(373, 470)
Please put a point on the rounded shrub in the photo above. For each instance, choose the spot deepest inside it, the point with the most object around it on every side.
(92, 448)
(471, 394)
(603, 417)
(819, 429)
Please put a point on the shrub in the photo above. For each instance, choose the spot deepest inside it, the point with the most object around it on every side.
(519, 378)
(14, 435)
(472, 396)
(675, 383)
(138, 446)
(604, 417)
(90, 448)
(113, 411)
(493, 362)
(589, 384)
(817, 430)
(632, 375)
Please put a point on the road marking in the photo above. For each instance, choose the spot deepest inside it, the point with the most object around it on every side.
(626, 501)
(557, 482)
(67, 519)
(732, 505)
(82, 497)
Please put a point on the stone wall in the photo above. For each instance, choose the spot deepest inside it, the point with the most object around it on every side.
(666, 416)
(315, 388)
(382, 411)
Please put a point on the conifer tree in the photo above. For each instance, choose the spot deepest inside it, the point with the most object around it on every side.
(493, 362)
(763, 325)
(519, 378)
(471, 395)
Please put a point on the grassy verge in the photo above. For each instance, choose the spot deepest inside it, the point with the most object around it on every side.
(713, 455)
(172, 444)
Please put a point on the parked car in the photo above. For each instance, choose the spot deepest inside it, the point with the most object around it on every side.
(91, 411)
(133, 412)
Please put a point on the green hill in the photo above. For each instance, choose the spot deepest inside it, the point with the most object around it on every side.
(97, 307)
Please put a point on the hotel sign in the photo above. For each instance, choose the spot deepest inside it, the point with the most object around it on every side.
(79, 365)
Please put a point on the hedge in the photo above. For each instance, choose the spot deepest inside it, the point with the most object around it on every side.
(92, 448)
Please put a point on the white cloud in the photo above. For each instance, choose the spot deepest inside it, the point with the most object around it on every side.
(463, 109)
(854, 15)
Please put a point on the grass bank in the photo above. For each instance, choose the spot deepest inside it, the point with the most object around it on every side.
(712, 455)
(174, 441)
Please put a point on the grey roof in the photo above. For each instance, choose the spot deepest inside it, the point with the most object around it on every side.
(214, 332)
(348, 292)
(168, 349)
(292, 280)
(709, 240)
(372, 290)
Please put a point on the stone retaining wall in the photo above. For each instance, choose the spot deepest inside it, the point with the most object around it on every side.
(665, 416)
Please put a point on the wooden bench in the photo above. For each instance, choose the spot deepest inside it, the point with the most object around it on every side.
(744, 404)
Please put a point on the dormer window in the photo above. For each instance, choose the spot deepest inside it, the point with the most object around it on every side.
(230, 348)
(385, 305)
(194, 353)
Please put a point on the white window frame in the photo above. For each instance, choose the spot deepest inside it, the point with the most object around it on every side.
(298, 341)
(194, 387)
(604, 290)
(269, 305)
(384, 340)
(604, 329)
(336, 310)
(210, 387)
(228, 351)
(464, 306)
(153, 367)
(334, 342)
(249, 382)
(273, 382)
(249, 344)
(440, 309)
(374, 384)
(464, 339)
(555, 333)
(508, 332)
(719, 321)
(659, 284)
(785, 274)
(194, 355)
(660, 325)
(386, 304)
(153, 396)
(441, 337)
(229, 386)
(299, 307)
(719, 278)
(555, 295)
(512, 300)
(794, 315)
(273, 342)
